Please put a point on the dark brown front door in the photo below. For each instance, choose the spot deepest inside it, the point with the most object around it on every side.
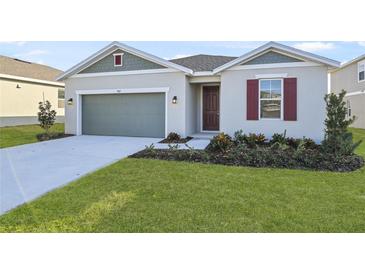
(211, 108)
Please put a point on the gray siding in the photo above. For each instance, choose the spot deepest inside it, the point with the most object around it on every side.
(270, 58)
(346, 78)
(357, 103)
(130, 62)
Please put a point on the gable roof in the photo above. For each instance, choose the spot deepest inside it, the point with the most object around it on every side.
(281, 48)
(113, 47)
(357, 59)
(203, 62)
(21, 68)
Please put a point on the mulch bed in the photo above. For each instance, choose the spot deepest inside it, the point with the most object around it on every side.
(259, 157)
(180, 141)
(52, 136)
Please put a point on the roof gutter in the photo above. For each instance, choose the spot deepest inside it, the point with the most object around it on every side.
(32, 80)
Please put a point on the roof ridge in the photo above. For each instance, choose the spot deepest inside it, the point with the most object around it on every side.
(202, 54)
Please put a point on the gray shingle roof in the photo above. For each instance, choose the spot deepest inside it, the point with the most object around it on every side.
(16, 67)
(203, 62)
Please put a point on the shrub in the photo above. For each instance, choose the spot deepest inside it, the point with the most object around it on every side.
(338, 140)
(173, 137)
(293, 142)
(46, 116)
(252, 140)
(278, 138)
(241, 155)
(239, 137)
(221, 142)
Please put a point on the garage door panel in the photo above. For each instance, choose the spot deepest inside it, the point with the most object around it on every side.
(140, 115)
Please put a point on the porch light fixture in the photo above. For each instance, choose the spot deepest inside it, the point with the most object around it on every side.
(70, 102)
(174, 100)
(17, 86)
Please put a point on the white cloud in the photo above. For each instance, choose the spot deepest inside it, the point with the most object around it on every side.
(361, 43)
(314, 46)
(238, 45)
(17, 43)
(35, 52)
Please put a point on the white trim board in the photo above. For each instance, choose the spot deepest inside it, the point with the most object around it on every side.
(355, 93)
(80, 93)
(32, 80)
(275, 65)
(278, 75)
(118, 73)
(204, 79)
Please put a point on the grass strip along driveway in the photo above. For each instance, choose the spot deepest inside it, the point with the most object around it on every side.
(20, 135)
(140, 195)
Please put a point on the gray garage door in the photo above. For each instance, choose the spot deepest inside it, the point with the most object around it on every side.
(139, 115)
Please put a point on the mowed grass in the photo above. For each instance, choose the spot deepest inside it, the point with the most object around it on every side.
(20, 135)
(139, 195)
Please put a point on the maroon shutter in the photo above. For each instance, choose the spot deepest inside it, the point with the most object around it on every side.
(290, 99)
(252, 99)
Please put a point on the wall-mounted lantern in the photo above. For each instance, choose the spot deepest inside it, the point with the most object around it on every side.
(174, 100)
(18, 86)
(70, 102)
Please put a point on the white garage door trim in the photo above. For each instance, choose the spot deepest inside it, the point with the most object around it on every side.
(79, 94)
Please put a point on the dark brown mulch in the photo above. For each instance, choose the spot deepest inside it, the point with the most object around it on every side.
(52, 136)
(180, 141)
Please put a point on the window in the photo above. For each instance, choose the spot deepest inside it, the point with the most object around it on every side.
(348, 108)
(271, 91)
(118, 59)
(361, 71)
(61, 98)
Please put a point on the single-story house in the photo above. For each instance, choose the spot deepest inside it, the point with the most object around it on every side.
(124, 91)
(22, 86)
(351, 77)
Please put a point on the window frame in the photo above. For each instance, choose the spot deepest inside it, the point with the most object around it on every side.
(361, 63)
(121, 59)
(349, 110)
(60, 100)
(270, 99)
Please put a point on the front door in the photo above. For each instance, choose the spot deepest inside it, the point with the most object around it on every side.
(211, 108)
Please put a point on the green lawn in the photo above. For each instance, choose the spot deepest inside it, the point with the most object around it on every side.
(138, 195)
(20, 135)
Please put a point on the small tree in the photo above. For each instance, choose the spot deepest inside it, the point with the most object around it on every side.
(46, 116)
(337, 138)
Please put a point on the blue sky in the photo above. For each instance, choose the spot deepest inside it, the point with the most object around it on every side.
(63, 55)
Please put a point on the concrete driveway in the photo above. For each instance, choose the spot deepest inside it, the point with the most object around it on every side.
(28, 171)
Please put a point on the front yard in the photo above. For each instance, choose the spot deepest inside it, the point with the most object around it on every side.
(141, 195)
(20, 135)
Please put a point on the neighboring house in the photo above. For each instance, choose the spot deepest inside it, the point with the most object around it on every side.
(123, 91)
(350, 77)
(22, 86)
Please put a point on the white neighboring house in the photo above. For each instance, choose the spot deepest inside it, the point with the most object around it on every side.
(124, 91)
(351, 77)
(22, 86)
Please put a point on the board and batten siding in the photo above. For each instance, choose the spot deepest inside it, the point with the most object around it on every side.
(311, 89)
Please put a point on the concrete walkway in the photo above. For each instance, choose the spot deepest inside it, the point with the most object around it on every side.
(28, 171)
